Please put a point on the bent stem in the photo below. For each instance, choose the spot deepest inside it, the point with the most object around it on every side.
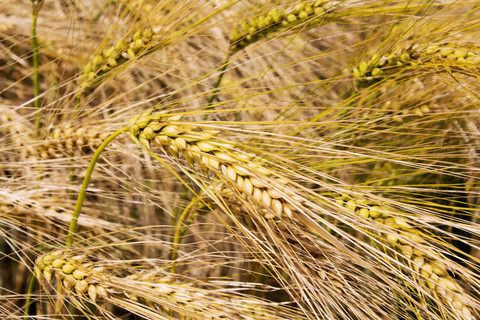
(178, 232)
(86, 181)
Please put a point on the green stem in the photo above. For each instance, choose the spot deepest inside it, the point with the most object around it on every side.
(97, 16)
(71, 177)
(216, 85)
(36, 88)
(77, 102)
(31, 286)
(83, 190)
(178, 232)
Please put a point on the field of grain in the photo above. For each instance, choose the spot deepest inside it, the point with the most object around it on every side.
(238, 159)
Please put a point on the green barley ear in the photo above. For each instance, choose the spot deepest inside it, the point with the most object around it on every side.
(277, 19)
(110, 60)
(74, 274)
(141, 7)
(200, 147)
(410, 60)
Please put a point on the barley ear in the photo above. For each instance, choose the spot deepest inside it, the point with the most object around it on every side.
(410, 243)
(414, 58)
(111, 59)
(252, 30)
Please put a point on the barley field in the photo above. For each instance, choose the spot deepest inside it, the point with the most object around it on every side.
(238, 159)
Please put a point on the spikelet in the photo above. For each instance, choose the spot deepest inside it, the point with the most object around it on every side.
(254, 29)
(73, 273)
(127, 49)
(410, 243)
(450, 57)
(403, 112)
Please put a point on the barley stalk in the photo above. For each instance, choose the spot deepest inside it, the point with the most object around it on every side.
(86, 180)
(36, 6)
